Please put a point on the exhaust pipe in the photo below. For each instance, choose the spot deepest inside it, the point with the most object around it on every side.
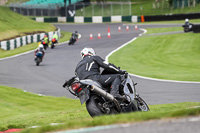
(102, 92)
(105, 94)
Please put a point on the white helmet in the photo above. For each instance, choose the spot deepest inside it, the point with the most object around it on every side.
(186, 20)
(41, 46)
(87, 51)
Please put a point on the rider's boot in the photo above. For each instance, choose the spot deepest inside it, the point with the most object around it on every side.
(115, 93)
(120, 97)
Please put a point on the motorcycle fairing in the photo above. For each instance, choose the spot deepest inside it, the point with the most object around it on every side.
(91, 82)
(129, 108)
(129, 88)
(84, 95)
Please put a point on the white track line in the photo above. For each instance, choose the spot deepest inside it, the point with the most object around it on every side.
(163, 80)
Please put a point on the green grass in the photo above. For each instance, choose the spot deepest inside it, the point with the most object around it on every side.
(13, 25)
(22, 110)
(172, 57)
(144, 7)
(6, 53)
(163, 30)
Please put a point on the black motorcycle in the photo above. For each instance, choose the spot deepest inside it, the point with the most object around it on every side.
(44, 44)
(38, 58)
(99, 101)
(187, 27)
(73, 39)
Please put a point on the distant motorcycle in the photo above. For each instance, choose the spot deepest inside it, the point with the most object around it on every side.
(44, 44)
(53, 42)
(98, 99)
(188, 27)
(38, 58)
(73, 39)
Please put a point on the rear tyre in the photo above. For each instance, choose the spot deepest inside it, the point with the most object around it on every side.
(37, 60)
(94, 107)
(37, 64)
(52, 46)
(142, 106)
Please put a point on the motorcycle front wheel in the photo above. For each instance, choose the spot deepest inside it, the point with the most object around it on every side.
(186, 30)
(142, 106)
(94, 106)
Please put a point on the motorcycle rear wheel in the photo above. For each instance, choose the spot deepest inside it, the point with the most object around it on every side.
(37, 60)
(52, 46)
(93, 106)
(37, 64)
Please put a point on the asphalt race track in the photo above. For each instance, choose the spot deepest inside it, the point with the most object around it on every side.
(59, 64)
(180, 125)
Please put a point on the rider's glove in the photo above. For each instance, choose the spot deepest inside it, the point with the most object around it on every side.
(122, 72)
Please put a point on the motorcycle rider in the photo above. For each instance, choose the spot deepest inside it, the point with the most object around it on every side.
(75, 34)
(74, 37)
(40, 49)
(188, 23)
(55, 36)
(89, 68)
(46, 40)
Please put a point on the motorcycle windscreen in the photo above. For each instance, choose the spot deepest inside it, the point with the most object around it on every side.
(84, 95)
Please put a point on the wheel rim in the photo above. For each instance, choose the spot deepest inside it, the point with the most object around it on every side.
(99, 103)
(143, 107)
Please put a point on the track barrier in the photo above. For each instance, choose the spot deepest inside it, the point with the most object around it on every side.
(142, 18)
(196, 28)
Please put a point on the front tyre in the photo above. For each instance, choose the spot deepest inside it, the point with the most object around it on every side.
(94, 106)
(142, 106)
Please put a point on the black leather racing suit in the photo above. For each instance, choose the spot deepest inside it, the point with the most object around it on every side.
(190, 25)
(89, 68)
(75, 35)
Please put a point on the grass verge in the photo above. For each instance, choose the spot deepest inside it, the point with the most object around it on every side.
(6, 53)
(21, 109)
(172, 56)
(13, 25)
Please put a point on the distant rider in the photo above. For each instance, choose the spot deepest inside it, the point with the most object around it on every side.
(55, 38)
(188, 23)
(75, 34)
(89, 68)
(46, 40)
(40, 51)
